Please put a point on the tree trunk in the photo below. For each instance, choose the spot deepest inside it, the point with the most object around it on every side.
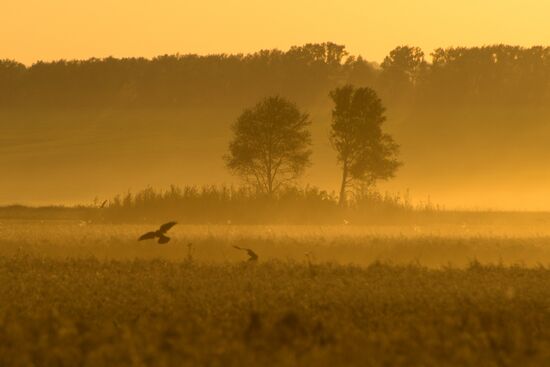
(269, 181)
(342, 198)
(269, 169)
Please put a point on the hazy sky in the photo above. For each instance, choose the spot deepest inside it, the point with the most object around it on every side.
(53, 29)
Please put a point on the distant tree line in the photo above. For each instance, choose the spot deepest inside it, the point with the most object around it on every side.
(178, 80)
(498, 74)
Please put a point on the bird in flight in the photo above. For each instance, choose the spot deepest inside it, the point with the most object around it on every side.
(252, 256)
(160, 233)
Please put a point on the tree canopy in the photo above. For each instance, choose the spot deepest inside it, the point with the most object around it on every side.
(271, 144)
(366, 153)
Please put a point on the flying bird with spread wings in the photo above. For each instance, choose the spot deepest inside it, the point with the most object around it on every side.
(160, 233)
(252, 256)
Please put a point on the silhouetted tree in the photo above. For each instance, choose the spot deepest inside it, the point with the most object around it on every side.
(364, 151)
(271, 144)
(401, 70)
(11, 81)
(404, 64)
(325, 53)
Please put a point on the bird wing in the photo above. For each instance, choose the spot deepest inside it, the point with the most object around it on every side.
(163, 239)
(166, 226)
(252, 254)
(148, 236)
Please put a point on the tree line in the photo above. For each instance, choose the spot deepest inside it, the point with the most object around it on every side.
(497, 74)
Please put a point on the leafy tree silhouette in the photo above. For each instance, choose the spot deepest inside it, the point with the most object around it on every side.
(365, 152)
(271, 144)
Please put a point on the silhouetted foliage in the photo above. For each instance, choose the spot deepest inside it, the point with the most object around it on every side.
(457, 78)
(487, 75)
(365, 152)
(244, 205)
(498, 73)
(302, 73)
(401, 70)
(271, 144)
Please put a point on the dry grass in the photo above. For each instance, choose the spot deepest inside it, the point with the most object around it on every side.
(91, 295)
(432, 246)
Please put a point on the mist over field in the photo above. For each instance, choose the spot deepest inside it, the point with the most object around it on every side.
(290, 183)
(472, 123)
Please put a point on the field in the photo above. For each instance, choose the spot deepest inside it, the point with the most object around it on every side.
(76, 293)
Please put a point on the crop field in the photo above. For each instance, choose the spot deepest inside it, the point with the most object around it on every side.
(84, 294)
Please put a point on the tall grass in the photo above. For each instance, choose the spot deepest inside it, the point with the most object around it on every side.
(86, 312)
(210, 204)
(242, 205)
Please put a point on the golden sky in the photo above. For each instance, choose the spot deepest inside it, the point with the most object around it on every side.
(53, 29)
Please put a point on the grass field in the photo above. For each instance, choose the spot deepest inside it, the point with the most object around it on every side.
(76, 294)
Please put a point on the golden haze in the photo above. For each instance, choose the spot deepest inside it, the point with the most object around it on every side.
(47, 30)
